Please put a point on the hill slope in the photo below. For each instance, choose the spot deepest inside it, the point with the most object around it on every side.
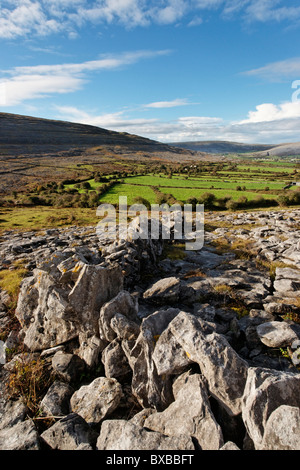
(30, 135)
(223, 147)
(283, 150)
(35, 150)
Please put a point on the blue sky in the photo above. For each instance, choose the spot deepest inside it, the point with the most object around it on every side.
(169, 70)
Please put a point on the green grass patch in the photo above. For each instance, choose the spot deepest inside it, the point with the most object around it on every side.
(113, 194)
(40, 217)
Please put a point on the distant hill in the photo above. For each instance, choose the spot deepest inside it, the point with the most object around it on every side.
(222, 147)
(35, 150)
(283, 150)
(29, 135)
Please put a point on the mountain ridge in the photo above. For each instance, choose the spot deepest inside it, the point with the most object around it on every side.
(223, 147)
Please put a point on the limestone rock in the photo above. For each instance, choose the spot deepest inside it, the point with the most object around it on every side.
(11, 413)
(229, 446)
(190, 415)
(68, 366)
(265, 391)
(124, 304)
(164, 291)
(282, 430)
(41, 312)
(21, 436)
(123, 435)
(224, 370)
(276, 334)
(95, 286)
(150, 389)
(115, 361)
(169, 356)
(69, 433)
(97, 400)
(56, 402)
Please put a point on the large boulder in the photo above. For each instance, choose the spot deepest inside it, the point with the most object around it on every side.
(97, 400)
(41, 312)
(52, 312)
(224, 370)
(56, 402)
(190, 415)
(150, 389)
(22, 436)
(163, 292)
(123, 435)
(123, 303)
(282, 430)
(276, 334)
(265, 391)
(70, 433)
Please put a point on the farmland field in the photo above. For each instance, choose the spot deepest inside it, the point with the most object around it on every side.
(227, 185)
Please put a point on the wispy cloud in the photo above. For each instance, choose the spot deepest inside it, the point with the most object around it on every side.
(168, 104)
(30, 82)
(277, 71)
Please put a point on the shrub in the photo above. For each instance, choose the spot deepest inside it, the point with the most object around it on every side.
(232, 205)
(207, 199)
(142, 200)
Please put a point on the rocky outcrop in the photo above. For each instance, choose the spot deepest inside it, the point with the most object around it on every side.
(153, 353)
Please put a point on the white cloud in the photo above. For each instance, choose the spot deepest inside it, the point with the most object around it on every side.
(271, 10)
(268, 112)
(26, 17)
(281, 125)
(285, 69)
(20, 18)
(168, 104)
(28, 87)
(30, 82)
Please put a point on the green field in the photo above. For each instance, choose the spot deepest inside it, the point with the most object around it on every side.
(234, 186)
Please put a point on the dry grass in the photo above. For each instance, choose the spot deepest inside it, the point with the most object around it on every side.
(29, 380)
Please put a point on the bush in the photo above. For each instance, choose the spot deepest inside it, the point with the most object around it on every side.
(242, 202)
(207, 199)
(85, 185)
(232, 205)
(142, 200)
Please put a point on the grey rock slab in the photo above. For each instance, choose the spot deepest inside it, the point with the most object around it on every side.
(282, 430)
(70, 433)
(97, 400)
(68, 366)
(115, 360)
(125, 328)
(11, 413)
(21, 436)
(94, 287)
(224, 370)
(265, 391)
(56, 402)
(150, 389)
(276, 334)
(190, 415)
(124, 435)
(41, 312)
(169, 356)
(164, 291)
(123, 303)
